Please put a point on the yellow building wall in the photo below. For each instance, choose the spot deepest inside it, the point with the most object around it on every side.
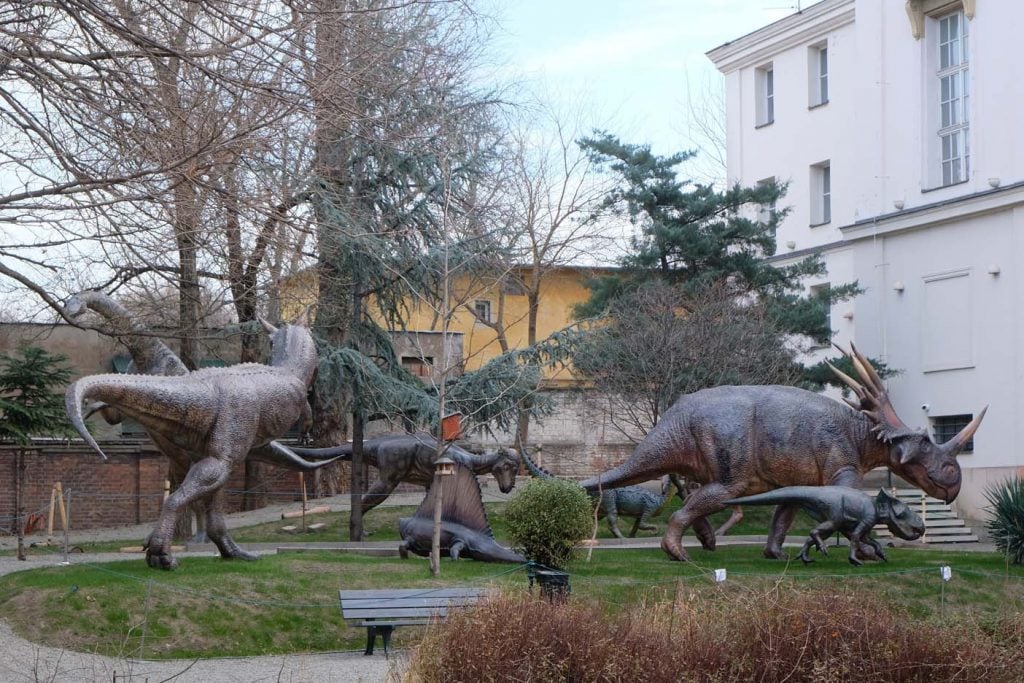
(561, 290)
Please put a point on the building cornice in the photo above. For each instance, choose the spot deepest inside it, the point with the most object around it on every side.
(755, 48)
(929, 215)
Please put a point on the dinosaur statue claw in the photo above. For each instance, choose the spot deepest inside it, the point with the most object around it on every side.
(674, 549)
(774, 553)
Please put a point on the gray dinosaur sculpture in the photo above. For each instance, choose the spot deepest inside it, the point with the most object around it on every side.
(464, 528)
(410, 458)
(628, 501)
(848, 511)
(741, 440)
(214, 417)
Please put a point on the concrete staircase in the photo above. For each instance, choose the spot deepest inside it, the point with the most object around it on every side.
(942, 526)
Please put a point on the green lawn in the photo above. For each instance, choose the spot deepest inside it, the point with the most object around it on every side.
(287, 602)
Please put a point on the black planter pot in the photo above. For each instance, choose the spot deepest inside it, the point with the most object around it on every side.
(554, 583)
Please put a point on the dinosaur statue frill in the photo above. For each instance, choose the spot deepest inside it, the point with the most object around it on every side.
(464, 528)
(214, 417)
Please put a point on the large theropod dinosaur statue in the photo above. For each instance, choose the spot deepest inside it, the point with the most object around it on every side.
(628, 501)
(214, 417)
(410, 458)
(742, 440)
(848, 511)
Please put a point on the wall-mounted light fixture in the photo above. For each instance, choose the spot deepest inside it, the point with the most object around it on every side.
(791, 244)
(993, 182)
(898, 203)
(994, 269)
(898, 286)
(848, 315)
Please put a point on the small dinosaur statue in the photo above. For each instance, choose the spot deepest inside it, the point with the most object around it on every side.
(464, 527)
(628, 501)
(846, 510)
(410, 458)
(214, 417)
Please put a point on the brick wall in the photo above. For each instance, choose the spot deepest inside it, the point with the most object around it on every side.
(127, 488)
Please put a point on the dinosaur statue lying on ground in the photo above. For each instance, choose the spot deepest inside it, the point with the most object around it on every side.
(464, 528)
(742, 440)
(214, 417)
(848, 511)
(628, 501)
(410, 458)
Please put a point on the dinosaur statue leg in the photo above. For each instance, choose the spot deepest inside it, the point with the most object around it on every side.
(735, 518)
(378, 493)
(781, 521)
(817, 538)
(217, 529)
(609, 505)
(858, 539)
(204, 477)
(702, 502)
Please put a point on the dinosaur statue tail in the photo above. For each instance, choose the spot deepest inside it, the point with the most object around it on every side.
(278, 454)
(342, 452)
(76, 393)
(790, 495)
(531, 466)
(623, 475)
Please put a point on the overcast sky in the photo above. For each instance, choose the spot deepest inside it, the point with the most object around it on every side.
(629, 60)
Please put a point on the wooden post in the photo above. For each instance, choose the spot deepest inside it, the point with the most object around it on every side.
(302, 485)
(435, 545)
(59, 490)
(49, 517)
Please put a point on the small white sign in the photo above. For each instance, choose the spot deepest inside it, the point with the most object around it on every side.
(946, 573)
(719, 575)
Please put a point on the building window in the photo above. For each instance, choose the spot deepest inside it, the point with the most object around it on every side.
(482, 309)
(821, 193)
(946, 427)
(764, 81)
(954, 98)
(420, 367)
(817, 74)
(821, 294)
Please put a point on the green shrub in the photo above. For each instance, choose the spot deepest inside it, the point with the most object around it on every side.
(547, 518)
(1007, 524)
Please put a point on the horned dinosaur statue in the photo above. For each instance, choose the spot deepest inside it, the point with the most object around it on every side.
(742, 440)
(628, 501)
(410, 458)
(464, 528)
(214, 417)
(848, 511)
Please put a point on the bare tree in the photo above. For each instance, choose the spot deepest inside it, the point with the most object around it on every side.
(662, 341)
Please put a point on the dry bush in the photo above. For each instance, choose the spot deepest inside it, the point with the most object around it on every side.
(772, 636)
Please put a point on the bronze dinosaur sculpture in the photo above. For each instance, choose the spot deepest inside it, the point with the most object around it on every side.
(401, 457)
(742, 440)
(214, 417)
(848, 511)
(464, 528)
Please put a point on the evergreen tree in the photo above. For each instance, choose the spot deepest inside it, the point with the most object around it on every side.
(695, 236)
(31, 405)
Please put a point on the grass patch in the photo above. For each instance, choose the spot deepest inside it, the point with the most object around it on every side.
(288, 603)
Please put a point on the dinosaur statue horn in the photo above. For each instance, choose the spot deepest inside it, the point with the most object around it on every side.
(302, 319)
(957, 443)
(266, 326)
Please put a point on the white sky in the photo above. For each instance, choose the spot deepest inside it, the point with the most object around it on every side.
(628, 60)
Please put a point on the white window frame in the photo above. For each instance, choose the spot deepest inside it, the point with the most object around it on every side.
(764, 84)
(817, 75)
(821, 193)
(482, 310)
(953, 97)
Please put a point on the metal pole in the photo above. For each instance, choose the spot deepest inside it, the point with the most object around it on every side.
(67, 524)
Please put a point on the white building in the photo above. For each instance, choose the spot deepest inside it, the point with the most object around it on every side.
(897, 126)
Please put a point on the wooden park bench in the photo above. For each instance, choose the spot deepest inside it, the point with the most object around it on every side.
(380, 611)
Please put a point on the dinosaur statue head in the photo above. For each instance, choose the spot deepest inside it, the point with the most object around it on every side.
(292, 347)
(505, 469)
(898, 516)
(910, 453)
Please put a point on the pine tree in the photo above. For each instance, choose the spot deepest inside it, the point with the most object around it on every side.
(31, 405)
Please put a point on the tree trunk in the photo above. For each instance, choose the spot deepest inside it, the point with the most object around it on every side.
(186, 231)
(355, 520)
(19, 500)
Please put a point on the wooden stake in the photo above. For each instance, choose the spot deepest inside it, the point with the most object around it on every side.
(302, 485)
